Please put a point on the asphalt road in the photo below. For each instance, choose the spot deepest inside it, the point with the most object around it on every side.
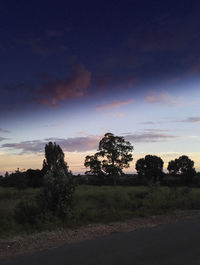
(170, 244)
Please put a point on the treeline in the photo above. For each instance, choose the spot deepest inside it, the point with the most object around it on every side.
(106, 166)
(23, 179)
(181, 172)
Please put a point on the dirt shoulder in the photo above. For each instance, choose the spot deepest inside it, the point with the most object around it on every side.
(45, 240)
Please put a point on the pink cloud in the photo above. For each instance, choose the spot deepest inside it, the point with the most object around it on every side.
(164, 98)
(115, 104)
(121, 115)
(74, 86)
(192, 120)
(76, 144)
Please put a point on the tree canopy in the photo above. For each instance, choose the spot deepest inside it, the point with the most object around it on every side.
(150, 168)
(114, 154)
(54, 158)
(183, 167)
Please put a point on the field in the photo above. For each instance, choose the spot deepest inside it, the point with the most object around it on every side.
(94, 204)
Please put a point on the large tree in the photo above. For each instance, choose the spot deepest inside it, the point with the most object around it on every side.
(114, 154)
(54, 158)
(183, 167)
(150, 168)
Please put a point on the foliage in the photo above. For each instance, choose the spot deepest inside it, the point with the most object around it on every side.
(23, 179)
(57, 193)
(184, 168)
(150, 168)
(94, 164)
(55, 197)
(114, 154)
(54, 158)
(27, 212)
(58, 187)
(92, 204)
(35, 178)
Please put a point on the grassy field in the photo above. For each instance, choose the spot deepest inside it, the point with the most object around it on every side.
(93, 204)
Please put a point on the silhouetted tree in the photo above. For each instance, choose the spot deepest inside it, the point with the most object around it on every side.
(23, 179)
(150, 168)
(55, 197)
(57, 193)
(16, 179)
(58, 187)
(35, 177)
(94, 164)
(1, 180)
(182, 167)
(54, 158)
(114, 154)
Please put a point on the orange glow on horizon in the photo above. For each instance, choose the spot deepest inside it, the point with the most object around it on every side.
(75, 161)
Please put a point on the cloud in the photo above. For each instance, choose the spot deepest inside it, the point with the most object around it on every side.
(74, 86)
(81, 133)
(121, 115)
(76, 144)
(192, 120)
(2, 138)
(115, 104)
(51, 125)
(4, 131)
(150, 136)
(148, 122)
(35, 146)
(163, 98)
(80, 144)
(85, 143)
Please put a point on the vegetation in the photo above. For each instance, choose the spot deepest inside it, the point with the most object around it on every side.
(54, 158)
(182, 167)
(23, 179)
(54, 200)
(35, 200)
(93, 204)
(113, 155)
(150, 168)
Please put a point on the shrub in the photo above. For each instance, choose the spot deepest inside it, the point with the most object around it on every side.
(56, 194)
(50, 206)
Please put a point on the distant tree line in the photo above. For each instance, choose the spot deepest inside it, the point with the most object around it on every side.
(105, 167)
(181, 171)
(23, 179)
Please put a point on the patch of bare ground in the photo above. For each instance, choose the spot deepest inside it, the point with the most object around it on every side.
(45, 240)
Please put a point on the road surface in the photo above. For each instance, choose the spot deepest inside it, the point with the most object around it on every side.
(170, 244)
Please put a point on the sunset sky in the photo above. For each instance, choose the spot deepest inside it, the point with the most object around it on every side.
(70, 71)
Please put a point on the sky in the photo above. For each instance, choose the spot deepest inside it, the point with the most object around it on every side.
(72, 71)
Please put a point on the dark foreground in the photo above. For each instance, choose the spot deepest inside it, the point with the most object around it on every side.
(171, 244)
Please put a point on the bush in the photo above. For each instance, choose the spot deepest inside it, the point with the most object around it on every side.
(171, 181)
(50, 206)
(57, 193)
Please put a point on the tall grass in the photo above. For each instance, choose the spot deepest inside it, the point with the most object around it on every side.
(93, 204)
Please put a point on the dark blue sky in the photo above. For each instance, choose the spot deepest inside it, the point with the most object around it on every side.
(116, 46)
